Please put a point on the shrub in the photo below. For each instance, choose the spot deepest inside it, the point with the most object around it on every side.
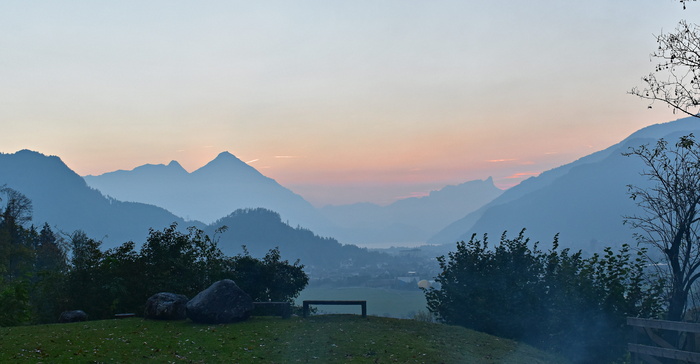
(556, 300)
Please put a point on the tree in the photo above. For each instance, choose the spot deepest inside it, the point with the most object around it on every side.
(269, 279)
(685, 1)
(671, 219)
(121, 279)
(18, 208)
(86, 279)
(675, 80)
(177, 262)
(50, 251)
(47, 292)
(16, 257)
(556, 300)
(126, 286)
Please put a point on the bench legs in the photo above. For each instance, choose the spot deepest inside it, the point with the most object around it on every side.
(363, 304)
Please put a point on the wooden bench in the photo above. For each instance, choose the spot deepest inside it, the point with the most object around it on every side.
(124, 315)
(334, 302)
(284, 309)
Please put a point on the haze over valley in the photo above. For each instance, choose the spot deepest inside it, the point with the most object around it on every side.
(584, 201)
(484, 165)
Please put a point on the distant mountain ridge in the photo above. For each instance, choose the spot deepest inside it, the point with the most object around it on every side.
(61, 198)
(585, 201)
(409, 221)
(261, 229)
(213, 191)
(227, 184)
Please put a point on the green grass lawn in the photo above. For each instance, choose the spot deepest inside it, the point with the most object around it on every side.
(317, 339)
(380, 301)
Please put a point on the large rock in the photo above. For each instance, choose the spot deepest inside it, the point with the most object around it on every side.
(72, 316)
(221, 303)
(166, 306)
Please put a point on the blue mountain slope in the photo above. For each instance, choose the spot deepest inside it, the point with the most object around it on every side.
(411, 220)
(63, 199)
(213, 191)
(585, 201)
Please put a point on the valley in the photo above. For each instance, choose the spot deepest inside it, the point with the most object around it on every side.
(584, 201)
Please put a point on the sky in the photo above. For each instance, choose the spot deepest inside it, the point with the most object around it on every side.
(340, 101)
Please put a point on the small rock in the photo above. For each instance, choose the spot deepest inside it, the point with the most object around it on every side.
(72, 316)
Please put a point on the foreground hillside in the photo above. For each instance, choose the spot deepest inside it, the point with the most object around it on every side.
(319, 339)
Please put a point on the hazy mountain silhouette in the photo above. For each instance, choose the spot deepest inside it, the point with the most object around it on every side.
(584, 201)
(261, 230)
(227, 184)
(213, 191)
(62, 198)
(411, 220)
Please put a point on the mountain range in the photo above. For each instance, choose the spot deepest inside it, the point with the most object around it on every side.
(410, 221)
(227, 184)
(209, 193)
(585, 201)
(129, 203)
(62, 198)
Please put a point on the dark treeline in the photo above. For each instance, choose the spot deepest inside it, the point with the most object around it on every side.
(43, 273)
(557, 300)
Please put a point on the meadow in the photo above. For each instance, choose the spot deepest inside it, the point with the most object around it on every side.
(317, 339)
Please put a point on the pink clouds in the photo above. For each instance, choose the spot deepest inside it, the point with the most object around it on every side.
(523, 175)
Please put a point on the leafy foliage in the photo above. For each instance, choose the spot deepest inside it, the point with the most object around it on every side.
(49, 275)
(38, 279)
(556, 299)
(16, 257)
(14, 303)
(192, 258)
(269, 279)
(173, 261)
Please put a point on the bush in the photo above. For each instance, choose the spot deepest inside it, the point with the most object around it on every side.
(267, 279)
(15, 307)
(555, 300)
(38, 280)
(121, 279)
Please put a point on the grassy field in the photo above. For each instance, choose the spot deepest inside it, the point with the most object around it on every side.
(380, 301)
(317, 339)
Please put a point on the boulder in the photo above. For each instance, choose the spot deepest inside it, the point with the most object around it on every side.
(72, 316)
(223, 302)
(166, 306)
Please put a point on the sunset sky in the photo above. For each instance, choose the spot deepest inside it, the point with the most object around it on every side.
(340, 101)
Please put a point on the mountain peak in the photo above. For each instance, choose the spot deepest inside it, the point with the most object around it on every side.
(36, 158)
(225, 158)
(228, 163)
(226, 155)
(175, 165)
